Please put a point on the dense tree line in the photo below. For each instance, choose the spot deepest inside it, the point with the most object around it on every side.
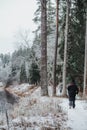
(29, 61)
(18, 67)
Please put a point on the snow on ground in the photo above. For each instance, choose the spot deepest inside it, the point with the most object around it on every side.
(34, 112)
(77, 118)
(1, 84)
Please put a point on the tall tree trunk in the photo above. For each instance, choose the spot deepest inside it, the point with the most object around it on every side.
(65, 47)
(44, 90)
(85, 62)
(56, 47)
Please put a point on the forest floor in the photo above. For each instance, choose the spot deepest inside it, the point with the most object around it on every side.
(23, 108)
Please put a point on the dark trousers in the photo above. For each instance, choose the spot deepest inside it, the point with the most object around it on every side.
(72, 102)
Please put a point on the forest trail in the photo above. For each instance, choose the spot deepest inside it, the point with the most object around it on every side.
(77, 118)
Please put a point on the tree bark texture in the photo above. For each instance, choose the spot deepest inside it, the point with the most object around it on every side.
(65, 47)
(56, 48)
(85, 62)
(44, 90)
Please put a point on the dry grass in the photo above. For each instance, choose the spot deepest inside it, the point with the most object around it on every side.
(34, 111)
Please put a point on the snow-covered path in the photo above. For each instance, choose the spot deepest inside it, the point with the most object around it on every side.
(77, 118)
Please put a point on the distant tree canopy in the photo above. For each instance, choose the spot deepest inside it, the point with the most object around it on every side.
(12, 64)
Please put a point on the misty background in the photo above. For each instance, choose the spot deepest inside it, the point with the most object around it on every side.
(15, 15)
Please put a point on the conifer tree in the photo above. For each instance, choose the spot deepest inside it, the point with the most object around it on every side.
(13, 71)
(44, 88)
(76, 41)
(85, 60)
(23, 76)
(34, 74)
(56, 47)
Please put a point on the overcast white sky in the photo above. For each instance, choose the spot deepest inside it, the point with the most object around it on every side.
(14, 15)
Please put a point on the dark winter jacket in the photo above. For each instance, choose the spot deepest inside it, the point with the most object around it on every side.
(72, 91)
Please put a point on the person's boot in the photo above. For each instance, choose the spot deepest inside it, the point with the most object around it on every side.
(69, 107)
(74, 106)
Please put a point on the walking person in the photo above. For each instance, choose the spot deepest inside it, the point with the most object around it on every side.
(72, 91)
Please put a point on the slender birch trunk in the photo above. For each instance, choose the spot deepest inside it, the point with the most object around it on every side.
(56, 47)
(65, 48)
(44, 90)
(85, 62)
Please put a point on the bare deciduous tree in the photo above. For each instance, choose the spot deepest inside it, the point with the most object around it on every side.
(23, 38)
